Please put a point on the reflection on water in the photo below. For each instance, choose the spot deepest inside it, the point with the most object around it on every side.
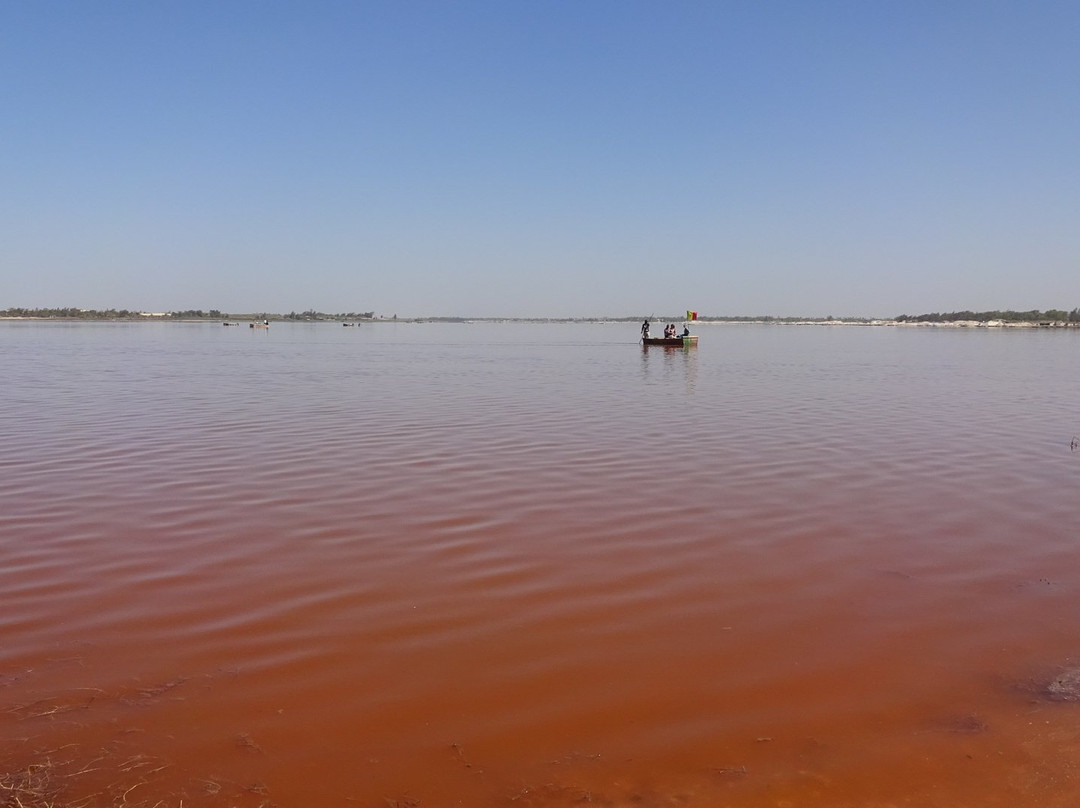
(669, 365)
(537, 565)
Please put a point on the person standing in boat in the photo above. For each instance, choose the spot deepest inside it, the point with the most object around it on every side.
(645, 329)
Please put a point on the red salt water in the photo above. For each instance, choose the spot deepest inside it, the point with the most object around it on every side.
(536, 565)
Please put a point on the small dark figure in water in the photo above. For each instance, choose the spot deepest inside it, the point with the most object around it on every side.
(645, 329)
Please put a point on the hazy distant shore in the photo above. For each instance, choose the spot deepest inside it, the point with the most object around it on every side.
(773, 321)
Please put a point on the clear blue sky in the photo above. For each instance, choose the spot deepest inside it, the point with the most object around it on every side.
(539, 158)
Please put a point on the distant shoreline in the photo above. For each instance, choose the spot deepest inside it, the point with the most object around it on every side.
(831, 322)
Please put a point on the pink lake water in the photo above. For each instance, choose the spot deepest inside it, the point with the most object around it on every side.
(539, 565)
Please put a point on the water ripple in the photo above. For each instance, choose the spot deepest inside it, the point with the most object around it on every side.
(519, 535)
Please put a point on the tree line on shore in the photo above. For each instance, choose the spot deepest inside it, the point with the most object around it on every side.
(311, 315)
(187, 314)
(1033, 316)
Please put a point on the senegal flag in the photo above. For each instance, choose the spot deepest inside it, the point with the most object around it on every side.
(691, 315)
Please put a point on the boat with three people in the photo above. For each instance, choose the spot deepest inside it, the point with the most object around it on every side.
(671, 339)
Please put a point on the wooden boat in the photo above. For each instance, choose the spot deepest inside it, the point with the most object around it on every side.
(259, 325)
(673, 342)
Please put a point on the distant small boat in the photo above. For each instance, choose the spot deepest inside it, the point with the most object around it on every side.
(672, 342)
(263, 324)
(230, 323)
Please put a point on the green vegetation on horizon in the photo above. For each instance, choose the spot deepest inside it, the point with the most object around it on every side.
(1033, 316)
(71, 313)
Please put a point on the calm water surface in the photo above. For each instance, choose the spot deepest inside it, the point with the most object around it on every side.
(539, 565)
